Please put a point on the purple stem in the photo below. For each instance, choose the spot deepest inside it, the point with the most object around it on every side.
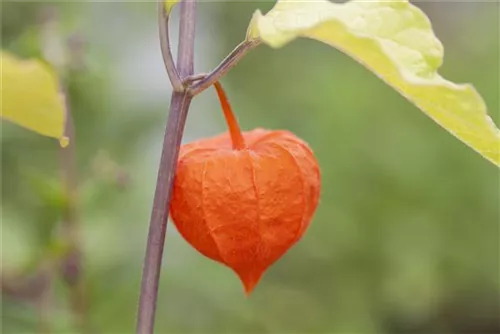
(179, 106)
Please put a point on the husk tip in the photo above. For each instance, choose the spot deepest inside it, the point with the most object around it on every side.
(250, 279)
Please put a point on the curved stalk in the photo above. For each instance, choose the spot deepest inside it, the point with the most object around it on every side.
(166, 52)
(232, 123)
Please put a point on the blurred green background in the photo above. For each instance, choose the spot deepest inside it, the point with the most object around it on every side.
(406, 236)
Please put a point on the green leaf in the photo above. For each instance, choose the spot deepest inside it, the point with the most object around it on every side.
(30, 96)
(169, 4)
(393, 39)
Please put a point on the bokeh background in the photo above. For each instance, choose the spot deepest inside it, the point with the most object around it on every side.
(406, 236)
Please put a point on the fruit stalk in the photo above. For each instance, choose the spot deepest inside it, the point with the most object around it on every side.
(232, 123)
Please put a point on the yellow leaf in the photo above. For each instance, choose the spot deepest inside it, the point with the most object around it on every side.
(393, 39)
(30, 97)
(169, 4)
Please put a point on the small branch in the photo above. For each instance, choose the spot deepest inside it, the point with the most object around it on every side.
(228, 63)
(185, 56)
(163, 18)
(71, 266)
(71, 263)
(179, 106)
(45, 303)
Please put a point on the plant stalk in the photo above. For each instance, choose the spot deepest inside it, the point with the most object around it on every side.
(45, 302)
(71, 262)
(71, 266)
(179, 106)
(228, 63)
(166, 52)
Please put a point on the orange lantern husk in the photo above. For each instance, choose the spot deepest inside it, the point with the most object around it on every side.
(243, 199)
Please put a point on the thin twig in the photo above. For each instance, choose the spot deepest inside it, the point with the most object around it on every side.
(45, 303)
(185, 56)
(166, 52)
(228, 63)
(71, 266)
(71, 263)
(179, 106)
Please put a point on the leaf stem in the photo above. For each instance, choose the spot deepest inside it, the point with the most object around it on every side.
(232, 123)
(228, 63)
(179, 106)
(166, 52)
